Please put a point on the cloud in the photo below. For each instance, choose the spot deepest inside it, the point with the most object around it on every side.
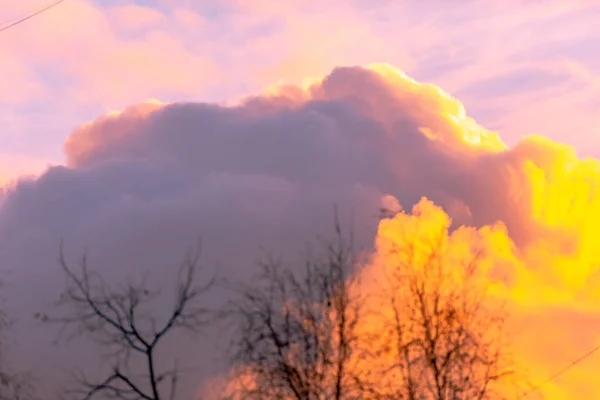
(95, 56)
(106, 55)
(133, 17)
(545, 310)
(140, 184)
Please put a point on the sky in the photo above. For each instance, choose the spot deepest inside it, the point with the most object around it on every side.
(518, 66)
(246, 121)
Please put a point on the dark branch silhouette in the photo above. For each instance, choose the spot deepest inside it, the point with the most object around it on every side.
(297, 332)
(115, 318)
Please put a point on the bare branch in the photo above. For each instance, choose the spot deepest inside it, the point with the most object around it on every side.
(447, 335)
(115, 317)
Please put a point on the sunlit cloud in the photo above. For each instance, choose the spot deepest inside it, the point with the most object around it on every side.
(109, 56)
(266, 172)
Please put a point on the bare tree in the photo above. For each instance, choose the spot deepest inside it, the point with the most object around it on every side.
(427, 332)
(297, 331)
(439, 335)
(117, 318)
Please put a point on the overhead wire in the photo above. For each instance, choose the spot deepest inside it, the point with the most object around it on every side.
(559, 373)
(18, 20)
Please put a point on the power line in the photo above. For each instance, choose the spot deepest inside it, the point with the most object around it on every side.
(556, 375)
(32, 13)
(31, 10)
(29, 16)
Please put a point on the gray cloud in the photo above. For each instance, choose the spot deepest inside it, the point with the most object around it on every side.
(139, 187)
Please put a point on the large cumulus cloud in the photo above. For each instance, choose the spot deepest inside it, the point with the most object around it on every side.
(139, 185)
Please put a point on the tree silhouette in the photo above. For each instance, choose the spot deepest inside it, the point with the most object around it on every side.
(296, 332)
(115, 318)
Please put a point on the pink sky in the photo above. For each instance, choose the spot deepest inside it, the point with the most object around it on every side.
(519, 67)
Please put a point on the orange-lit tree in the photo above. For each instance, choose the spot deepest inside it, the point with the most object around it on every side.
(439, 336)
